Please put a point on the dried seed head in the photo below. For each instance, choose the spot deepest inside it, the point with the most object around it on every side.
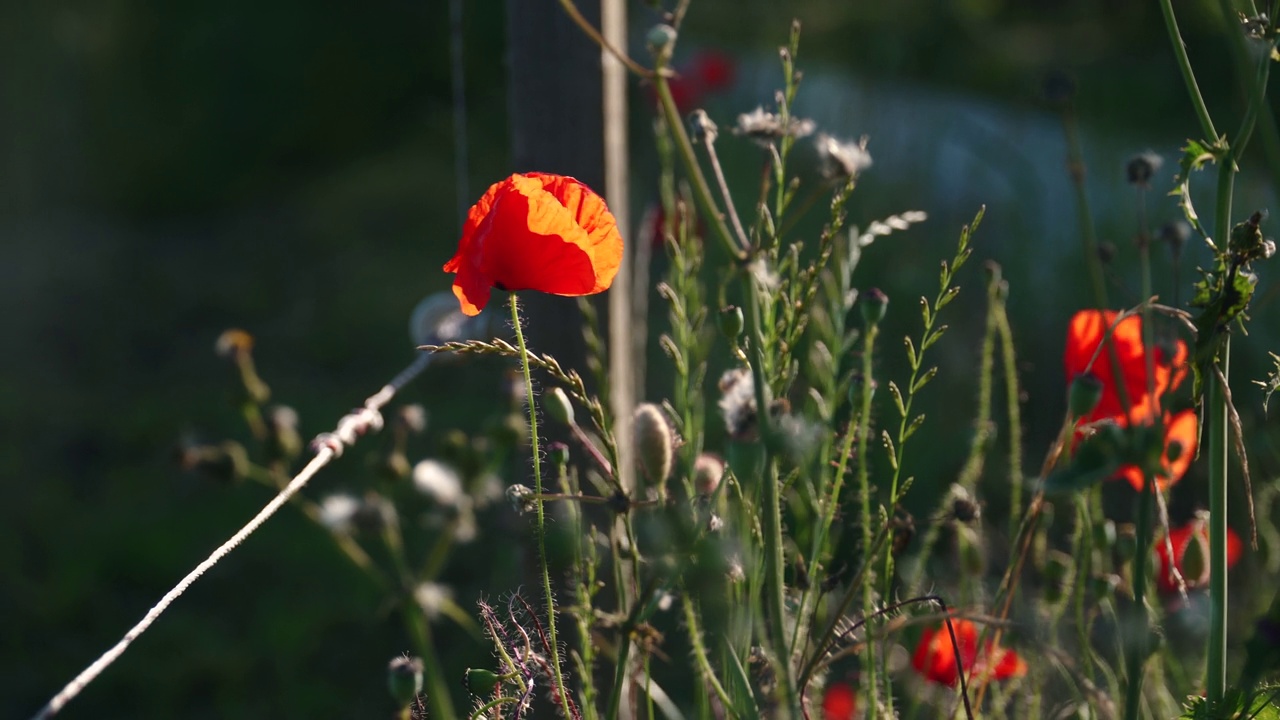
(337, 512)
(655, 446)
(738, 403)
(1142, 167)
(765, 128)
(841, 160)
(521, 498)
(439, 482)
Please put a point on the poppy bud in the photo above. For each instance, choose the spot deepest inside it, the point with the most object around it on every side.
(480, 682)
(558, 454)
(707, 472)
(1103, 587)
(1126, 542)
(557, 406)
(404, 679)
(874, 304)
(660, 39)
(731, 321)
(654, 445)
(1195, 561)
(1084, 395)
(1104, 535)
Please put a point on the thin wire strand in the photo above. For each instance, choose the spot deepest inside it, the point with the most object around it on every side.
(328, 446)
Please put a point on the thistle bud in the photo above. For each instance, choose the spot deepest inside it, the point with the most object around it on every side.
(655, 446)
(1084, 395)
(874, 304)
(404, 679)
(557, 406)
(707, 472)
(731, 321)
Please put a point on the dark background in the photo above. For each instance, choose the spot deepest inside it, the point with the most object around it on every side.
(169, 170)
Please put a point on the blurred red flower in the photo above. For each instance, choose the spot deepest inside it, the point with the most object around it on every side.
(537, 231)
(1085, 333)
(936, 659)
(1194, 573)
(1180, 429)
(839, 702)
(708, 71)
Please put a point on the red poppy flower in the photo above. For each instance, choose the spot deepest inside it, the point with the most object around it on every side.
(936, 659)
(541, 232)
(707, 72)
(1085, 333)
(839, 702)
(1195, 575)
(1180, 429)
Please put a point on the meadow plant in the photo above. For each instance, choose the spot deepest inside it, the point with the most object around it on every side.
(761, 558)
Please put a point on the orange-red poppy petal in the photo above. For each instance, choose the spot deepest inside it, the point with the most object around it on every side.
(536, 232)
(1182, 429)
(839, 702)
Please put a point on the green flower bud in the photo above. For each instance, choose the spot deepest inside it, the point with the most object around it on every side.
(731, 321)
(1104, 535)
(874, 304)
(404, 679)
(1126, 542)
(660, 39)
(557, 406)
(1195, 561)
(1084, 395)
(558, 454)
(480, 682)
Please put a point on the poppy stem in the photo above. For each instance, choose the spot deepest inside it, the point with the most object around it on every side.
(561, 698)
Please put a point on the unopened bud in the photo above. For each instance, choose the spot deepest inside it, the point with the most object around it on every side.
(874, 304)
(1084, 395)
(1195, 561)
(660, 39)
(731, 321)
(655, 446)
(404, 679)
(558, 454)
(480, 682)
(1142, 167)
(707, 472)
(557, 406)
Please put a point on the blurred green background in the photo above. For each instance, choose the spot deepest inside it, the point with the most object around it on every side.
(171, 170)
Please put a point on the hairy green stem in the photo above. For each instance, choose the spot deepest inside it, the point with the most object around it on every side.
(871, 687)
(540, 528)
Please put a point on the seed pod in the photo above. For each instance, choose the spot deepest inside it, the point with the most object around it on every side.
(655, 446)
(404, 679)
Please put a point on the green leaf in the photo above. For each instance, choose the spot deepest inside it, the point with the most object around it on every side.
(1194, 157)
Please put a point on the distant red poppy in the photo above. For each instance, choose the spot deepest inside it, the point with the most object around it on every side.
(706, 72)
(1085, 333)
(1180, 429)
(541, 232)
(839, 702)
(1181, 538)
(936, 660)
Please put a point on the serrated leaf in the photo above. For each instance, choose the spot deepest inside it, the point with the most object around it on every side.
(890, 450)
(933, 337)
(1194, 157)
(897, 398)
(924, 379)
(911, 351)
(916, 422)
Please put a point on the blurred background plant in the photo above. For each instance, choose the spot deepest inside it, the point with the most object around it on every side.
(174, 171)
